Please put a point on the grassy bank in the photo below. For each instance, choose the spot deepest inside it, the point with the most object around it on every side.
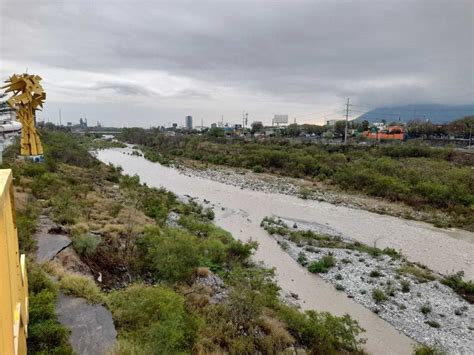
(152, 269)
(426, 178)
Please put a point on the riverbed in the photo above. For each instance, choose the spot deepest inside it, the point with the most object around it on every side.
(241, 210)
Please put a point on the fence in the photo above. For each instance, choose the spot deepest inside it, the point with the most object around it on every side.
(13, 278)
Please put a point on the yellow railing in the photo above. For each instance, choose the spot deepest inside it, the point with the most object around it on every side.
(13, 278)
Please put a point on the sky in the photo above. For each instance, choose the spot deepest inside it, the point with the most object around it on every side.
(151, 63)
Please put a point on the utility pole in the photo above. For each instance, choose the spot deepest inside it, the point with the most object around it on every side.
(347, 120)
(245, 117)
(60, 124)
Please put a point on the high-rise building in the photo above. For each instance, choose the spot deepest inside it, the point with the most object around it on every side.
(189, 122)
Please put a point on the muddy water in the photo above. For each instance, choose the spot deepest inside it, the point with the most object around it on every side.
(240, 211)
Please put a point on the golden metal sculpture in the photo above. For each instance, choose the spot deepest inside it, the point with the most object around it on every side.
(28, 96)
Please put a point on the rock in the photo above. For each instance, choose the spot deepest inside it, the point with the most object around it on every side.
(49, 245)
(92, 328)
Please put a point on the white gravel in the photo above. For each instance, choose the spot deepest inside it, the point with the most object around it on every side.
(454, 315)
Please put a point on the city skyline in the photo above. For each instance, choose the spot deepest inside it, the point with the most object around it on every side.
(115, 63)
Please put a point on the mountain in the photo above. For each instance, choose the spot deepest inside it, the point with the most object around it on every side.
(433, 113)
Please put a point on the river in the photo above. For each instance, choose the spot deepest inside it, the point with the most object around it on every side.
(240, 211)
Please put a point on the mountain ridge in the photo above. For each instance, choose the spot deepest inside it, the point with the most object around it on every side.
(434, 113)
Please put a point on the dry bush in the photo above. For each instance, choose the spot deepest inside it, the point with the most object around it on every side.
(71, 262)
(54, 268)
(79, 229)
(276, 338)
(197, 296)
(202, 272)
(195, 300)
(81, 286)
(22, 199)
(114, 229)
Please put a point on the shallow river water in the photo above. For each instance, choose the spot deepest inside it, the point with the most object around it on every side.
(240, 211)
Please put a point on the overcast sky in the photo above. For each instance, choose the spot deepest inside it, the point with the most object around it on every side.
(150, 63)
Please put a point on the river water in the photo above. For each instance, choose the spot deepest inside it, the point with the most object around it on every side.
(240, 211)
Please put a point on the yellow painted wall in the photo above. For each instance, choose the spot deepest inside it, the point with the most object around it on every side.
(13, 278)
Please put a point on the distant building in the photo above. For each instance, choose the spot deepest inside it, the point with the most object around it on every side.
(83, 123)
(331, 122)
(189, 122)
(213, 125)
(380, 131)
(280, 119)
(380, 125)
(269, 132)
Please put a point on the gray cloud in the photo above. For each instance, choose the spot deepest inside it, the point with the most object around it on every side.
(123, 88)
(297, 52)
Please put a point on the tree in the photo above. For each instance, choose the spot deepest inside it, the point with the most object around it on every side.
(365, 125)
(293, 130)
(216, 132)
(340, 128)
(312, 128)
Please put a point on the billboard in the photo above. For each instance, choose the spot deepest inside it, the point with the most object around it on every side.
(280, 119)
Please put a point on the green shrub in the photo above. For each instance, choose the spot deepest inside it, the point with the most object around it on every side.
(86, 244)
(209, 214)
(425, 309)
(323, 265)
(422, 274)
(378, 295)
(405, 286)
(26, 221)
(64, 208)
(392, 253)
(65, 148)
(304, 193)
(172, 255)
(153, 320)
(81, 286)
(323, 333)
(433, 324)
(375, 273)
(464, 288)
(302, 259)
(257, 169)
(428, 350)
